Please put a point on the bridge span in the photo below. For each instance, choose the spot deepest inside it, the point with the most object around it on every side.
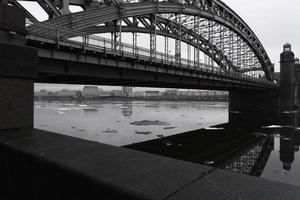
(222, 52)
(93, 60)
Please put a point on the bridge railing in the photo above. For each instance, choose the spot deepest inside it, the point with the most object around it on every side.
(60, 34)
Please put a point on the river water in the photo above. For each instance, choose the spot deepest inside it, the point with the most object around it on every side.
(270, 152)
(126, 122)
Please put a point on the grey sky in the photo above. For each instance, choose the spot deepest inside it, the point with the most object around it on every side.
(275, 22)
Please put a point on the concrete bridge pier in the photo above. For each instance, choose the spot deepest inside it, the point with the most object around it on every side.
(297, 81)
(288, 86)
(17, 71)
(252, 108)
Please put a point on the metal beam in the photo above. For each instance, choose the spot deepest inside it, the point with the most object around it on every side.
(235, 23)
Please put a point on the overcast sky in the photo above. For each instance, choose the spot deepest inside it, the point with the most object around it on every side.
(275, 22)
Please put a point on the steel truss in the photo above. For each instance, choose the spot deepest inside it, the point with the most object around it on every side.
(231, 45)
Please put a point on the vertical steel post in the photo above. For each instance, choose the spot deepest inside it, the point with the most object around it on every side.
(153, 37)
(115, 35)
(188, 53)
(112, 40)
(134, 40)
(211, 39)
(178, 41)
(120, 34)
(196, 49)
(166, 48)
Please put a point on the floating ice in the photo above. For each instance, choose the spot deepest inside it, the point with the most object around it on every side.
(64, 109)
(168, 144)
(287, 112)
(213, 128)
(262, 134)
(272, 126)
(210, 162)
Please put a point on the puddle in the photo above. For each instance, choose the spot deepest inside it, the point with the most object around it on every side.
(261, 134)
(282, 172)
(287, 112)
(286, 138)
(272, 126)
(168, 144)
(210, 162)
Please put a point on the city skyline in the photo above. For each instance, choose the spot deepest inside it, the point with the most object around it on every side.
(58, 87)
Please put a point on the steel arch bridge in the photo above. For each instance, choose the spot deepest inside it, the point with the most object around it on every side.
(213, 34)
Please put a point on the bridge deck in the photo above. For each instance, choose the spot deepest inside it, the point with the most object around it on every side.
(70, 61)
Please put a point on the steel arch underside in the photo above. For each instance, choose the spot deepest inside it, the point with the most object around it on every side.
(92, 17)
(205, 46)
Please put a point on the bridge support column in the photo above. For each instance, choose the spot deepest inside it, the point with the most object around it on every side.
(297, 81)
(17, 71)
(253, 107)
(287, 79)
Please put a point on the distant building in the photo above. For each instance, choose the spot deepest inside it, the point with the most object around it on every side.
(41, 93)
(127, 91)
(201, 93)
(68, 93)
(139, 94)
(170, 93)
(116, 93)
(90, 91)
(152, 94)
(105, 94)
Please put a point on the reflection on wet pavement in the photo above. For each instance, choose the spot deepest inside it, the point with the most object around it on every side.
(270, 152)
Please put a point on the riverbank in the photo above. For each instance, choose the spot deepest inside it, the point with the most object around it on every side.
(80, 99)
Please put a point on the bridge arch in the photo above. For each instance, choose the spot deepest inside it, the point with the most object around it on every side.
(204, 45)
(213, 10)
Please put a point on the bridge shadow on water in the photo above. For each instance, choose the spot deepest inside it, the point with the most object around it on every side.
(238, 148)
